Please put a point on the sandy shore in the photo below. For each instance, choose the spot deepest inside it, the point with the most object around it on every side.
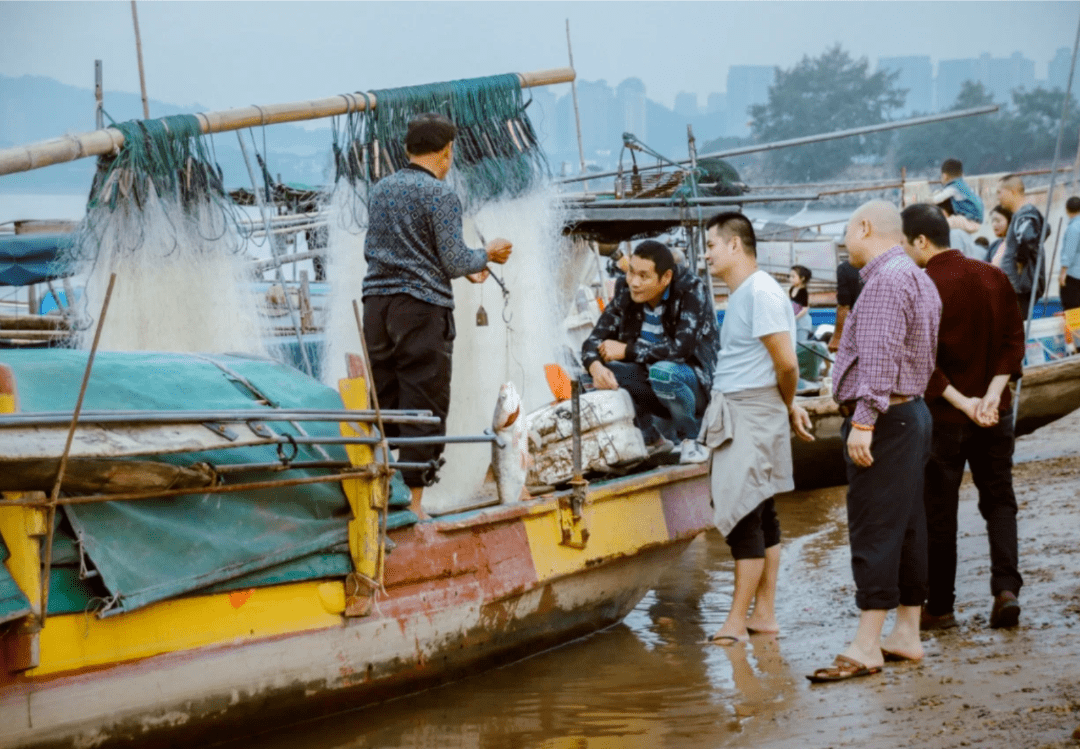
(976, 686)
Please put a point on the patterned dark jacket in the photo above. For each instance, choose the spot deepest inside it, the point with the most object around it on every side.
(414, 244)
(690, 332)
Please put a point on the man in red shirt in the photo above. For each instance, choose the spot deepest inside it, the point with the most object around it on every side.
(980, 348)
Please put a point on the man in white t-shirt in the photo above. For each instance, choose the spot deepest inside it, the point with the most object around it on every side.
(749, 423)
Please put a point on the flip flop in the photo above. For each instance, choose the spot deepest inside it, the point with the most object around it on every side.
(843, 668)
(892, 656)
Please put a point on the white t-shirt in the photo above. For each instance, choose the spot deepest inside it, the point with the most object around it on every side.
(757, 308)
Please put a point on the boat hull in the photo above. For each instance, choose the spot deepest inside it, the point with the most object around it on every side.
(462, 593)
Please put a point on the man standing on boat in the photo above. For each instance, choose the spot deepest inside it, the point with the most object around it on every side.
(749, 422)
(980, 348)
(414, 248)
(881, 371)
(1023, 242)
(657, 339)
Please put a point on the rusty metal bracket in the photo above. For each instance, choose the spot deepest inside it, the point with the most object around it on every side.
(221, 430)
(360, 593)
(260, 429)
(575, 531)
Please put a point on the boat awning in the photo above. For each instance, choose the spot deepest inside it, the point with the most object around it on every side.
(153, 549)
(31, 258)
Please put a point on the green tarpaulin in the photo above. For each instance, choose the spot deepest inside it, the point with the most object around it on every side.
(149, 550)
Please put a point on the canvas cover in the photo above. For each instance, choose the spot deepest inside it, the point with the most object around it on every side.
(150, 550)
(28, 258)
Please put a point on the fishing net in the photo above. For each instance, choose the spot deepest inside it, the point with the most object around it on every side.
(496, 153)
(158, 216)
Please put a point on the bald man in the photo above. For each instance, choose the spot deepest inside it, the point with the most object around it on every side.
(1023, 243)
(886, 357)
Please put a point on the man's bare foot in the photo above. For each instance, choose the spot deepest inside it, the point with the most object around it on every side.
(897, 647)
(414, 503)
(762, 626)
(870, 660)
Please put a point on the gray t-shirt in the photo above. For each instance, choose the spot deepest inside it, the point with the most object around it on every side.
(759, 307)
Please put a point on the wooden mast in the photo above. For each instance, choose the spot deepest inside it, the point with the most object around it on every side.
(98, 142)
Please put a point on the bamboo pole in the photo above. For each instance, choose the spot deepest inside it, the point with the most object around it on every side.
(138, 53)
(99, 142)
(55, 495)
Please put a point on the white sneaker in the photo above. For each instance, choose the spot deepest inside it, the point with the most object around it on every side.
(692, 451)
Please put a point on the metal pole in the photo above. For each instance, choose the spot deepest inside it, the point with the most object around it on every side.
(54, 418)
(273, 250)
(1049, 204)
(99, 97)
(138, 52)
(573, 94)
(808, 139)
(51, 514)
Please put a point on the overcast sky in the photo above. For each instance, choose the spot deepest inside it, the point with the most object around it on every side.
(229, 54)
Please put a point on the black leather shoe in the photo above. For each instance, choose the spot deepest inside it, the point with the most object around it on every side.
(1006, 611)
(929, 621)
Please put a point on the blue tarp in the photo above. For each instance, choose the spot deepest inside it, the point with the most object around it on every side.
(150, 550)
(30, 258)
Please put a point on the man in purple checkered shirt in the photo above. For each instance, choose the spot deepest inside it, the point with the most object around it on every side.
(886, 356)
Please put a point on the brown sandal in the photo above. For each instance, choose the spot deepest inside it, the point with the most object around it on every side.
(843, 668)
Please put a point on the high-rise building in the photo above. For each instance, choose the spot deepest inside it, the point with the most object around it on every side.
(1000, 75)
(1058, 72)
(746, 85)
(599, 121)
(917, 76)
(1003, 75)
(950, 80)
(716, 103)
(686, 104)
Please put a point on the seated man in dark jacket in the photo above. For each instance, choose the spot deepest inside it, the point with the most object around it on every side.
(658, 339)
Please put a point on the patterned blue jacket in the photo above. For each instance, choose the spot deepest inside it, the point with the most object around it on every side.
(691, 335)
(414, 243)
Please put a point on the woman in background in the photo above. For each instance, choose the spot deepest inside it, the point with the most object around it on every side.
(800, 300)
(1000, 217)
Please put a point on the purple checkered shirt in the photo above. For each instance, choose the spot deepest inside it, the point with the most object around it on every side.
(889, 344)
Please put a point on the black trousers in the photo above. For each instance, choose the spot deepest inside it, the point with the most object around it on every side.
(1070, 293)
(411, 344)
(989, 452)
(886, 519)
(757, 531)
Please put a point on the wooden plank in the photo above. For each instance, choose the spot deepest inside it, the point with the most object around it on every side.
(99, 476)
(22, 443)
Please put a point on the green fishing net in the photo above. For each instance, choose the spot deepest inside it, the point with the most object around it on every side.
(164, 170)
(496, 154)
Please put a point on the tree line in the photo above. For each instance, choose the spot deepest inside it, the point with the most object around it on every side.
(834, 92)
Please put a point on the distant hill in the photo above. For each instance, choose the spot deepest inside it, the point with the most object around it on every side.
(34, 108)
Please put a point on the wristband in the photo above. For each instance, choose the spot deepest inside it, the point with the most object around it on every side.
(862, 427)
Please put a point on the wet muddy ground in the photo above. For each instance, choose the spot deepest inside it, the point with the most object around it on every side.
(653, 681)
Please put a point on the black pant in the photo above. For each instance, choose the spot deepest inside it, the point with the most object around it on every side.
(757, 531)
(989, 451)
(1070, 293)
(411, 344)
(886, 519)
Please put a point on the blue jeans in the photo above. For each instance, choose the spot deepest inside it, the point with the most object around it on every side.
(666, 390)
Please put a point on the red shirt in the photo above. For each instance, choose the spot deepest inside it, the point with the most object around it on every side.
(981, 333)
